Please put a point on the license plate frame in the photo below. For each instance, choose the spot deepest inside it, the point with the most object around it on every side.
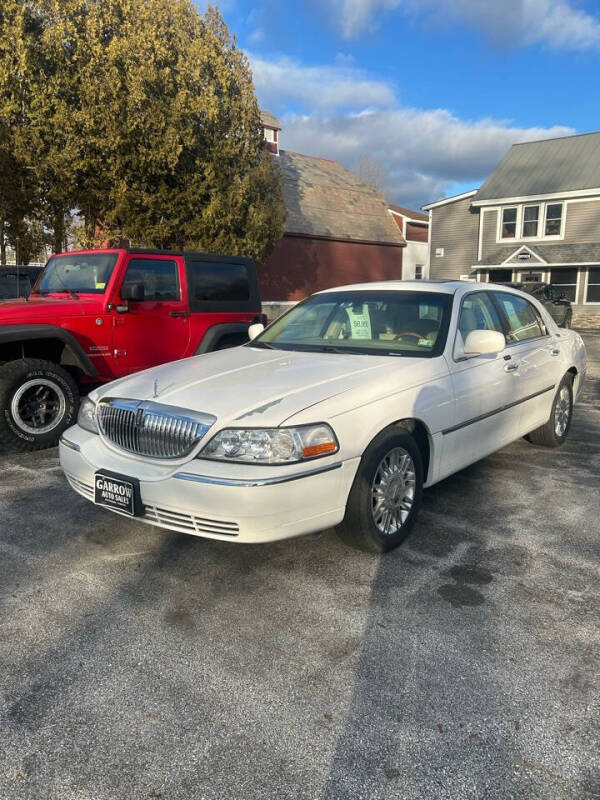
(118, 492)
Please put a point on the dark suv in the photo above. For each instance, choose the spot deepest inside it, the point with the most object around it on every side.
(551, 296)
(17, 281)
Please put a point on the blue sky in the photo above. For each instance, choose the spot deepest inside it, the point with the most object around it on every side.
(435, 91)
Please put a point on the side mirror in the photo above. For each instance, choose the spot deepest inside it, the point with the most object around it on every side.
(484, 343)
(254, 330)
(133, 291)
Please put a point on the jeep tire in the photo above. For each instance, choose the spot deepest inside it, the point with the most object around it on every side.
(38, 401)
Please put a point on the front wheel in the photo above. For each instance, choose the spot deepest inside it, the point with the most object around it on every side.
(555, 431)
(38, 401)
(386, 494)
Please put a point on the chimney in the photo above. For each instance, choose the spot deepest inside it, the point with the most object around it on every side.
(270, 127)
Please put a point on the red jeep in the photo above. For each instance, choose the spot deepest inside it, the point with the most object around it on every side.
(96, 315)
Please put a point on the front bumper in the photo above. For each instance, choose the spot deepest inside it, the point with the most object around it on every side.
(219, 500)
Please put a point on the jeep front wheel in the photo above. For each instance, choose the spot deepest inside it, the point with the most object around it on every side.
(38, 401)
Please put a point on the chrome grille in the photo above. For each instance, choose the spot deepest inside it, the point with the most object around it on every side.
(151, 429)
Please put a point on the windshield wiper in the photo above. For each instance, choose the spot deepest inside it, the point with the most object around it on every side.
(265, 345)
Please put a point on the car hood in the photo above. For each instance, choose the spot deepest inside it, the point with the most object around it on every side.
(254, 387)
(46, 309)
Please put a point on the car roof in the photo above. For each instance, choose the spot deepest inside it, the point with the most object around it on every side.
(445, 287)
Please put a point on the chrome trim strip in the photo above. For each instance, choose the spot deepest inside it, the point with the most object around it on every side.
(495, 411)
(188, 476)
(69, 444)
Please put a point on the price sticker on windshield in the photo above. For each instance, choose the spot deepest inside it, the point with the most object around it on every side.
(360, 322)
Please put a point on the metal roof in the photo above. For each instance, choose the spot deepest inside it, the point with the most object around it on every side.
(418, 216)
(323, 198)
(549, 166)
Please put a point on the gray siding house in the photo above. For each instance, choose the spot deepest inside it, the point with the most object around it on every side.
(537, 217)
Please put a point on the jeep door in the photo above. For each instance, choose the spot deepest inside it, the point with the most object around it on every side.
(155, 329)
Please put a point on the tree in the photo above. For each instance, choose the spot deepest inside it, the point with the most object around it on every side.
(140, 115)
(373, 173)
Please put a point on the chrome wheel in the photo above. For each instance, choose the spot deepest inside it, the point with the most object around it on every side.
(38, 406)
(562, 411)
(393, 491)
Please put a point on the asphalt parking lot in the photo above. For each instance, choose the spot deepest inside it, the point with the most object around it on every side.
(135, 663)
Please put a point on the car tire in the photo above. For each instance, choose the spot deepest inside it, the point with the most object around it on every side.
(386, 493)
(554, 433)
(38, 401)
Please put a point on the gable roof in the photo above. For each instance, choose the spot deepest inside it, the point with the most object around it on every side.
(549, 166)
(409, 213)
(323, 198)
(575, 254)
(269, 120)
(455, 198)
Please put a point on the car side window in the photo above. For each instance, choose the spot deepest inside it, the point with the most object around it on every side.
(159, 277)
(523, 319)
(477, 313)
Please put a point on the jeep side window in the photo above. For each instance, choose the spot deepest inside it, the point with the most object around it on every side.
(218, 282)
(159, 277)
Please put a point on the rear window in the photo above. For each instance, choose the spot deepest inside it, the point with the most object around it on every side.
(218, 282)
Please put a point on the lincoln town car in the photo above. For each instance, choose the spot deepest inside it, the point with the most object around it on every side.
(338, 414)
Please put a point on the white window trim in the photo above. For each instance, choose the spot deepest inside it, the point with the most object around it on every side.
(499, 222)
(541, 223)
(540, 210)
(586, 283)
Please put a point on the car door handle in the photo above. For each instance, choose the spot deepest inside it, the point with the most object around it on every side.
(511, 367)
(179, 313)
(555, 351)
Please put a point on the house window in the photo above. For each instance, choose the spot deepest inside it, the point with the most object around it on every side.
(531, 217)
(593, 286)
(566, 280)
(418, 272)
(270, 135)
(553, 219)
(500, 275)
(509, 223)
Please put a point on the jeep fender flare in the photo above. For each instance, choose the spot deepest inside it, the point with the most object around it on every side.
(28, 333)
(217, 332)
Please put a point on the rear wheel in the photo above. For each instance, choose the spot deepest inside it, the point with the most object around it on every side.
(38, 401)
(386, 494)
(555, 431)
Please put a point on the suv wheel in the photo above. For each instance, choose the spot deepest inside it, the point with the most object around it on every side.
(386, 494)
(38, 401)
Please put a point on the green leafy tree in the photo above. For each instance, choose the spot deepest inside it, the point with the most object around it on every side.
(141, 116)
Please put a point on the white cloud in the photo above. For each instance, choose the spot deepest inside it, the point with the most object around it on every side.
(347, 116)
(557, 23)
(423, 152)
(317, 87)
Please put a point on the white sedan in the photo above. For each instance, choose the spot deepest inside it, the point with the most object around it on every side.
(337, 414)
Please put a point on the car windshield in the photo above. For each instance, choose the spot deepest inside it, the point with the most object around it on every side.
(88, 273)
(395, 323)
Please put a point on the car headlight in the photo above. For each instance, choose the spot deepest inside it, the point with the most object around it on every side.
(87, 416)
(272, 445)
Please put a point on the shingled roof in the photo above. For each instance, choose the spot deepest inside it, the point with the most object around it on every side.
(323, 198)
(269, 120)
(567, 164)
(584, 253)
